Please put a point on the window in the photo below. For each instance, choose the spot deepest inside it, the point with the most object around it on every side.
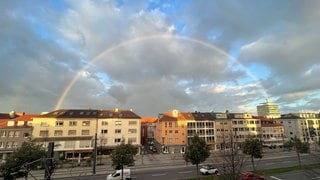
(85, 132)
(10, 123)
(59, 123)
(58, 133)
(176, 131)
(72, 123)
(72, 132)
(85, 123)
(14, 144)
(132, 123)
(25, 135)
(118, 123)
(3, 133)
(117, 131)
(104, 123)
(44, 133)
(131, 131)
(117, 140)
(104, 131)
(20, 123)
(11, 133)
(1, 144)
(17, 134)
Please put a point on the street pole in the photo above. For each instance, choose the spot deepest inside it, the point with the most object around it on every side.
(94, 154)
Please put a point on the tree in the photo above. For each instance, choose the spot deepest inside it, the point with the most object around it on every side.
(252, 147)
(300, 147)
(123, 155)
(197, 151)
(27, 153)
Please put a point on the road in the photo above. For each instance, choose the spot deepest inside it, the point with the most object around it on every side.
(182, 172)
(169, 168)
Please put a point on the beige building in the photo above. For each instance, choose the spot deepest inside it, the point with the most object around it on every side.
(244, 126)
(74, 131)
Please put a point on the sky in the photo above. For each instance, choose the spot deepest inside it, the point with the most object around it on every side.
(153, 56)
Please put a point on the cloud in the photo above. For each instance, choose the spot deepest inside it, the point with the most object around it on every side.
(155, 56)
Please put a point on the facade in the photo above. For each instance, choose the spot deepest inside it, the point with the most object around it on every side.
(269, 110)
(223, 131)
(202, 124)
(272, 133)
(170, 133)
(304, 126)
(147, 130)
(75, 131)
(15, 128)
(244, 126)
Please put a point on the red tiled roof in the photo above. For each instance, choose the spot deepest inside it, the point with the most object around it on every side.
(148, 119)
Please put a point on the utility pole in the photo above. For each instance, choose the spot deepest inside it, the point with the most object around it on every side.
(94, 154)
(49, 166)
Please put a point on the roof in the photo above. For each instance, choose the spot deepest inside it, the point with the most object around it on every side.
(91, 113)
(24, 117)
(167, 118)
(148, 119)
(197, 116)
(270, 123)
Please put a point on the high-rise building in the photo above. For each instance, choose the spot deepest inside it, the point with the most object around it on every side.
(269, 110)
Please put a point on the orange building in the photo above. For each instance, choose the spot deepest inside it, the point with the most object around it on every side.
(170, 133)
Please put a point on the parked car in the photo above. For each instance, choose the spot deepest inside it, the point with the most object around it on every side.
(250, 176)
(208, 169)
(116, 175)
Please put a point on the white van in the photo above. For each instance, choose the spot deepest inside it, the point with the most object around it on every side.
(117, 175)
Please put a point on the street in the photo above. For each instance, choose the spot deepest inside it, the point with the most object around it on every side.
(167, 166)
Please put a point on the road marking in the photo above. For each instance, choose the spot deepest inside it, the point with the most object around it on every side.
(275, 178)
(158, 174)
(184, 172)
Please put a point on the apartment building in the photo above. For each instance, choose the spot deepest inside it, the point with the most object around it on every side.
(170, 133)
(272, 133)
(202, 124)
(147, 130)
(15, 128)
(223, 131)
(304, 126)
(75, 131)
(244, 126)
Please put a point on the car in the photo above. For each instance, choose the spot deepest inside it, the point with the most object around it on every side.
(116, 175)
(208, 169)
(250, 176)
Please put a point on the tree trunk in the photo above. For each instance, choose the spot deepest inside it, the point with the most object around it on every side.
(299, 159)
(197, 165)
(252, 161)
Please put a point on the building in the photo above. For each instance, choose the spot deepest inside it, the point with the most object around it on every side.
(269, 110)
(201, 124)
(244, 126)
(272, 133)
(304, 126)
(75, 131)
(223, 131)
(147, 130)
(170, 133)
(15, 128)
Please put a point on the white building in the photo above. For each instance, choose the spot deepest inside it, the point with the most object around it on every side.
(304, 126)
(269, 110)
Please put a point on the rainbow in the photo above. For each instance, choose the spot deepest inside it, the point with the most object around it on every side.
(155, 37)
